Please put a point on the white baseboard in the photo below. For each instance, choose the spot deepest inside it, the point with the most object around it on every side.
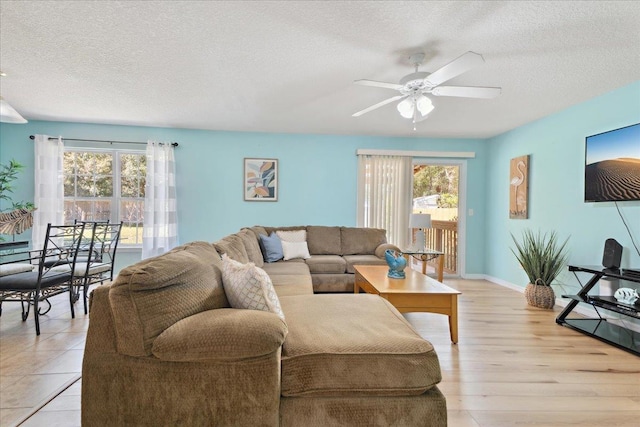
(585, 310)
(473, 276)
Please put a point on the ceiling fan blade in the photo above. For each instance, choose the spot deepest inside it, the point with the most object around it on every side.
(454, 68)
(378, 105)
(467, 91)
(378, 84)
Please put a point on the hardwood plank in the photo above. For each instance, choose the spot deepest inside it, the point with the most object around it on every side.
(513, 366)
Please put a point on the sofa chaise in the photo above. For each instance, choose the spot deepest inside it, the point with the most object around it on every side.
(165, 348)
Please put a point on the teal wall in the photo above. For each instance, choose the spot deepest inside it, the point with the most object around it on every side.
(317, 183)
(318, 180)
(556, 145)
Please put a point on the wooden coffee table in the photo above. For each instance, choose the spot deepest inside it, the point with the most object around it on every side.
(416, 292)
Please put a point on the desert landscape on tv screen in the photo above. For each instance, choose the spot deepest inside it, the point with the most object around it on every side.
(612, 171)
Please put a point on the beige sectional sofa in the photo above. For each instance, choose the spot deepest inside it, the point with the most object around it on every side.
(164, 348)
(334, 251)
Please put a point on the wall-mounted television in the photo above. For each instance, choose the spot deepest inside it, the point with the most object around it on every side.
(612, 165)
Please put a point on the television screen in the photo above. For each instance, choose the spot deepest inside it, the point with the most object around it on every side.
(612, 165)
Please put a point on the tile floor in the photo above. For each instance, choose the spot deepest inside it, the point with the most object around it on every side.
(35, 369)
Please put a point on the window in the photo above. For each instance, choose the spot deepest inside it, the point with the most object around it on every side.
(102, 185)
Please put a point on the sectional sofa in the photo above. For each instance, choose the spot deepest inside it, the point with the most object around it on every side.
(333, 252)
(165, 348)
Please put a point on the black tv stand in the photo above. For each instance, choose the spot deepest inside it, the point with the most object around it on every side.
(600, 327)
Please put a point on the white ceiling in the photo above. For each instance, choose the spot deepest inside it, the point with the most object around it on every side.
(289, 66)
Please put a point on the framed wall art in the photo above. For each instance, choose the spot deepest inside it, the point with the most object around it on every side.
(519, 188)
(261, 180)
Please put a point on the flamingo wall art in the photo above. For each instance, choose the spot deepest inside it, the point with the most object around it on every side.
(519, 188)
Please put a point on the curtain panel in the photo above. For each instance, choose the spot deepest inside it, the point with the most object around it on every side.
(49, 186)
(384, 195)
(160, 228)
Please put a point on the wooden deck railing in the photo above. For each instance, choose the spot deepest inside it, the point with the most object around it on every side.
(443, 237)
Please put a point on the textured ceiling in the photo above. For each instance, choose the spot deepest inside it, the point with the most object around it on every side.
(289, 66)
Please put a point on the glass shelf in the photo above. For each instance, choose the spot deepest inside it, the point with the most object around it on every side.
(604, 329)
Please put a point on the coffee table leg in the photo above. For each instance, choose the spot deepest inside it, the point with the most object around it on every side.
(453, 319)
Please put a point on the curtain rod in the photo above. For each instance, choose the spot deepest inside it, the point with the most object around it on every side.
(173, 144)
(452, 154)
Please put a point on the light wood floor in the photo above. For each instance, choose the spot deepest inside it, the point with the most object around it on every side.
(513, 366)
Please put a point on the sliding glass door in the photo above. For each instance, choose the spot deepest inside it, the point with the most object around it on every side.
(436, 191)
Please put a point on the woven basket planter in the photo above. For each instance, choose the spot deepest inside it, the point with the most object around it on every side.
(540, 296)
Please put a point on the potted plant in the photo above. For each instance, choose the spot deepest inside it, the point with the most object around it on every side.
(20, 216)
(542, 257)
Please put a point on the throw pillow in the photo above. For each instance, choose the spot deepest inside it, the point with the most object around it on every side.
(293, 236)
(249, 287)
(271, 247)
(293, 250)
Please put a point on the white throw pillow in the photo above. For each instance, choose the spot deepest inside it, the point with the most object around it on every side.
(249, 287)
(293, 236)
(293, 250)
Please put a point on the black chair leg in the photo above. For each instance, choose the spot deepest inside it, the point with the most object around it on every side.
(25, 313)
(36, 314)
(73, 313)
(84, 295)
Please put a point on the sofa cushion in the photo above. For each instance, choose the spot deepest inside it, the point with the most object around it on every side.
(233, 246)
(352, 260)
(328, 264)
(333, 282)
(148, 297)
(222, 334)
(360, 241)
(292, 235)
(258, 230)
(271, 247)
(292, 284)
(293, 250)
(249, 287)
(324, 240)
(295, 266)
(250, 242)
(288, 228)
(356, 344)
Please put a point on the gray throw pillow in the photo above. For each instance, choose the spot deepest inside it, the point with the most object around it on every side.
(271, 247)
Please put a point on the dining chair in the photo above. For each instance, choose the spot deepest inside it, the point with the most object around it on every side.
(60, 248)
(96, 257)
(103, 248)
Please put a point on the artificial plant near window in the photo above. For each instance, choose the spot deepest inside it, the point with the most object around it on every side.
(19, 216)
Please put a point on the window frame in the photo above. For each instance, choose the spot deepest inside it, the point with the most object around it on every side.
(116, 198)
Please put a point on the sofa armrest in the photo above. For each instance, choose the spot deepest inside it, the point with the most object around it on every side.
(224, 334)
(383, 247)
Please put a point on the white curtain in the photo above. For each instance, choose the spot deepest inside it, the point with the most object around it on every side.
(49, 188)
(384, 195)
(160, 229)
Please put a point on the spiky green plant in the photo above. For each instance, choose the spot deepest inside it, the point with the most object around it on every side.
(541, 256)
(8, 174)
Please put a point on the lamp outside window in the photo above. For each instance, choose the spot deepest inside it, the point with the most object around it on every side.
(420, 221)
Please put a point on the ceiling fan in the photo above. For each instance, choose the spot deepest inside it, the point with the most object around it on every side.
(413, 88)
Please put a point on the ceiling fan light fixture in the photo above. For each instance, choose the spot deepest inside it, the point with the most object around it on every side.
(8, 114)
(406, 108)
(424, 105)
